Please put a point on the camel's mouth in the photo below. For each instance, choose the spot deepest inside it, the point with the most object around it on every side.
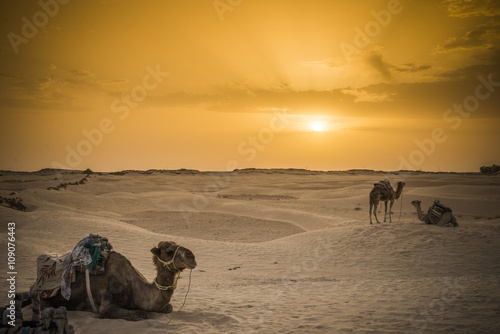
(190, 266)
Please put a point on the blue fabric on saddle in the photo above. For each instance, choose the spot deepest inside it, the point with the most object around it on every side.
(386, 185)
(437, 209)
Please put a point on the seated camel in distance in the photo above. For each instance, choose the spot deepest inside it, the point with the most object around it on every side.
(446, 218)
(384, 192)
(122, 292)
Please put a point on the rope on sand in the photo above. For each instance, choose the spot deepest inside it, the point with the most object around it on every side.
(401, 209)
(185, 297)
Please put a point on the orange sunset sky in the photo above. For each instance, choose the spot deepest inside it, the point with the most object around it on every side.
(217, 85)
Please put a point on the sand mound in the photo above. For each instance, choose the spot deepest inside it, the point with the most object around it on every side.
(212, 226)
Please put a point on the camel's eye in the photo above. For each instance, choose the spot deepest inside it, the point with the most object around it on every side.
(170, 252)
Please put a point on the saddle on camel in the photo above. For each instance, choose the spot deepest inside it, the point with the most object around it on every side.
(94, 277)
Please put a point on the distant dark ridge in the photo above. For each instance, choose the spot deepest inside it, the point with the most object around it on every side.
(186, 171)
(177, 171)
(54, 171)
(88, 171)
(15, 203)
(418, 172)
(66, 184)
(2, 172)
(45, 171)
(118, 173)
(300, 171)
(57, 171)
(151, 171)
(274, 169)
(349, 171)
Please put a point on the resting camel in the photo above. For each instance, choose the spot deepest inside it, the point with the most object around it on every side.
(122, 292)
(446, 219)
(385, 194)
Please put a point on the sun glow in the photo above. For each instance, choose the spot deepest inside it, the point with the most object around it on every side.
(317, 126)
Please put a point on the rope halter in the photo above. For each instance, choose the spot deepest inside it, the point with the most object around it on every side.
(166, 264)
(171, 262)
(173, 286)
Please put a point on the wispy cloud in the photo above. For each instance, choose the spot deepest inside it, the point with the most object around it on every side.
(376, 62)
(60, 89)
(484, 36)
(467, 8)
(361, 95)
(411, 68)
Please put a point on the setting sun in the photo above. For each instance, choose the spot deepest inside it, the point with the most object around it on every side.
(317, 126)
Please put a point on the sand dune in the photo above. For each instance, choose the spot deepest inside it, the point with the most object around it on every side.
(278, 251)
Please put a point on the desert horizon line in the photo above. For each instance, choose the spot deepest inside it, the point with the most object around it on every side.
(247, 169)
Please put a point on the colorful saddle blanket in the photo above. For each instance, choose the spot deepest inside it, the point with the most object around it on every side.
(438, 208)
(49, 273)
(57, 272)
(386, 184)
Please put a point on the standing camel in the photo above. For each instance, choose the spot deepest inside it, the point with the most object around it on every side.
(383, 191)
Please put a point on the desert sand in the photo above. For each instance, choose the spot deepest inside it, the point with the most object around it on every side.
(278, 251)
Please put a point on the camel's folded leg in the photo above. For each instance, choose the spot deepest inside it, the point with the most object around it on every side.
(111, 311)
(168, 309)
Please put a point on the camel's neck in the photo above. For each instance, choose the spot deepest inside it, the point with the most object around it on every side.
(399, 190)
(420, 214)
(150, 297)
(166, 277)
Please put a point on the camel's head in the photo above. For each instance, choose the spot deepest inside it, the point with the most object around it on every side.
(401, 184)
(416, 203)
(173, 256)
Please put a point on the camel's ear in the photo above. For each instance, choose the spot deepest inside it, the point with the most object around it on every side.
(155, 251)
